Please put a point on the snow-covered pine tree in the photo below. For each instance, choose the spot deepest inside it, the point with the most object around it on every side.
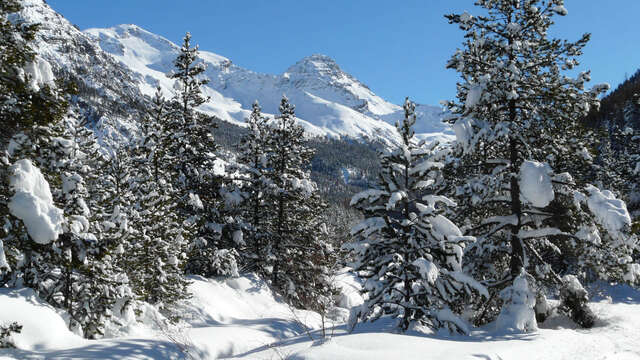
(518, 138)
(157, 255)
(252, 155)
(297, 258)
(91, 283)
(27, 98)
(72, 272)
(620, 157)
(198, 174)
(408, 252)
(32, 106)
(27, 93)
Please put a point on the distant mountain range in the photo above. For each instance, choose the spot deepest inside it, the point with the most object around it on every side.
(328, 100)
(116, 67)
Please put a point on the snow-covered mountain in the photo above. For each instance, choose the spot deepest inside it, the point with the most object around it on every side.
(328, 100)
(107, 88)
(116, 67)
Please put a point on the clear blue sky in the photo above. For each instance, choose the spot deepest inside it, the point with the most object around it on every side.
(397, 48)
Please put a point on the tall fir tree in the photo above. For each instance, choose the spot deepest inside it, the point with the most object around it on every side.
(157, 255)
(25, 99)
(24, 102)
(253, 155)
(409, 254)
(619, 158)
(518, 141)
(73, 272)
(198, 174)
(297, 256)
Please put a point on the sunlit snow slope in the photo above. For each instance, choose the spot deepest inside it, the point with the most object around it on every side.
(328, 101)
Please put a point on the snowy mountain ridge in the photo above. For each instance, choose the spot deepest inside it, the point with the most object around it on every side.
(328, 100)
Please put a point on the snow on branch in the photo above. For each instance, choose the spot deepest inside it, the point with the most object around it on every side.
(535, 183)
(33, 203)
(610, 212)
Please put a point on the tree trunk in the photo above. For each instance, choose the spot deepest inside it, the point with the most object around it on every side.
(517, 250)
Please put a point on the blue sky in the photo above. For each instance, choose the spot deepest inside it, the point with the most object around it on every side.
(397, 48)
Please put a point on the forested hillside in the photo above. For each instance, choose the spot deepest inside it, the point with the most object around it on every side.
(620, 107)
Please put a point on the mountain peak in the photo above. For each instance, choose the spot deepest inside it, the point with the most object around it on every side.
(319, 58)
(315, 65)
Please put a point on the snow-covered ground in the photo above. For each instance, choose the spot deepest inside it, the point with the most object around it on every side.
(240, 318)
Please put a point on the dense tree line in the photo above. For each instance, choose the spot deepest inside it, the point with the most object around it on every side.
(127, 220)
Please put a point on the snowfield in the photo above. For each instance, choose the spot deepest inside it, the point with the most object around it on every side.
(241, 318)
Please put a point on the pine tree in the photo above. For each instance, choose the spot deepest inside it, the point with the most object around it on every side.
(157, 255)
(74, 271)
(408, 252)
(90, 284)
(620, 155)
(518, 140)
(190, 151)
(297, 258)
(23, 101)
(253, 152)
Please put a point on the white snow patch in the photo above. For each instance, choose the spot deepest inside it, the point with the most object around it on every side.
(43, 328)
(609, 212)
(463, 128)
(349, 287)
(370, 195)
(394, 198)
(473, 96)
(194, 201)
(40, 74)
(561, 10)
(4, 265)
(517, 312)
(427, 269)
(535, 183)
(33, 203)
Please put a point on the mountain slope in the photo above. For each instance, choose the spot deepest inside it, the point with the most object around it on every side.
(116, 67)
(109, 103)
(328, 101)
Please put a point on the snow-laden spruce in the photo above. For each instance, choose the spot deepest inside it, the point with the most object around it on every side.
(253, 155)
(73, 271)
(193, 166)
(155, 248)
(28, 93)
(521, 164)
(409, 253)
(619, 158)
(295, 254)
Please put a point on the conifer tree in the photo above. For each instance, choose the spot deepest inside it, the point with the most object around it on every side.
(157, 255)
(24, 99)
(190, 151)
(297, 258)
(253, 155)
(619, 157)
(408, 252)
(74, 272)
(518, 140)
